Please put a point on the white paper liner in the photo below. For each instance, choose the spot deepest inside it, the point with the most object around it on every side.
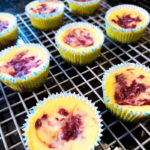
(84, 4)
(130, 7)
(38, 70)
(118, 109)
(65, 95)
(44, 16)
(78, 24)
(12, 25)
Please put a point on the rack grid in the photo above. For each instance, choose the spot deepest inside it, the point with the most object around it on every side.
(83, 80)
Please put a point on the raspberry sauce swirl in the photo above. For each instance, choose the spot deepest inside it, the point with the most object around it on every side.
(61, 128)
(126, 94)
(45, 9)
(21, 65)
(126, 21)
(79, 37)
(3, 25)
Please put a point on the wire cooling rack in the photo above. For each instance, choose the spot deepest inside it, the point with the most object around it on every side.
(83, 80)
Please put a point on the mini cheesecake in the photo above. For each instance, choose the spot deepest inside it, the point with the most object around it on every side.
(65, 122)
(45, 15)
(8, 30)
(22, 62)
(129, 89)
(79, 43)
(126, 23)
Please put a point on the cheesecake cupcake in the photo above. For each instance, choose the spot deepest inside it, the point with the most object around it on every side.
(45, 15)
(126, 23)
(63, 121)
(79, 43)
(126, 91)
(25, 67)
(83, 7)
(8, 30)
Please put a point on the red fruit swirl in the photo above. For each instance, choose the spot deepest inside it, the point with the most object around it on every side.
(22, 65)
(126, 21)
(44, 9)
(79, 37)
(63, 112)
(72, 128)
(38, 124)
(127, 95)
(3, 25)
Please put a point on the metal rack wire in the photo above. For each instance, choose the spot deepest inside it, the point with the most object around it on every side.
(84, 80)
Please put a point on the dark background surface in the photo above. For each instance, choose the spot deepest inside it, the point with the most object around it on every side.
(17, 6)
(13, 6)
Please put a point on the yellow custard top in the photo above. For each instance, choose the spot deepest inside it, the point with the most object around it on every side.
(130, 88)
(46, 7)
(5, 18)
(22, 61)
(79, 38)
(63, 124)
(126, 18)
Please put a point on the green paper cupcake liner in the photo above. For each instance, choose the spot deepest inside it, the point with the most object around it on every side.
(30, 81)
(126, 36)
(118, 110)
(65, 95)
(82, 57)
(45, 22)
